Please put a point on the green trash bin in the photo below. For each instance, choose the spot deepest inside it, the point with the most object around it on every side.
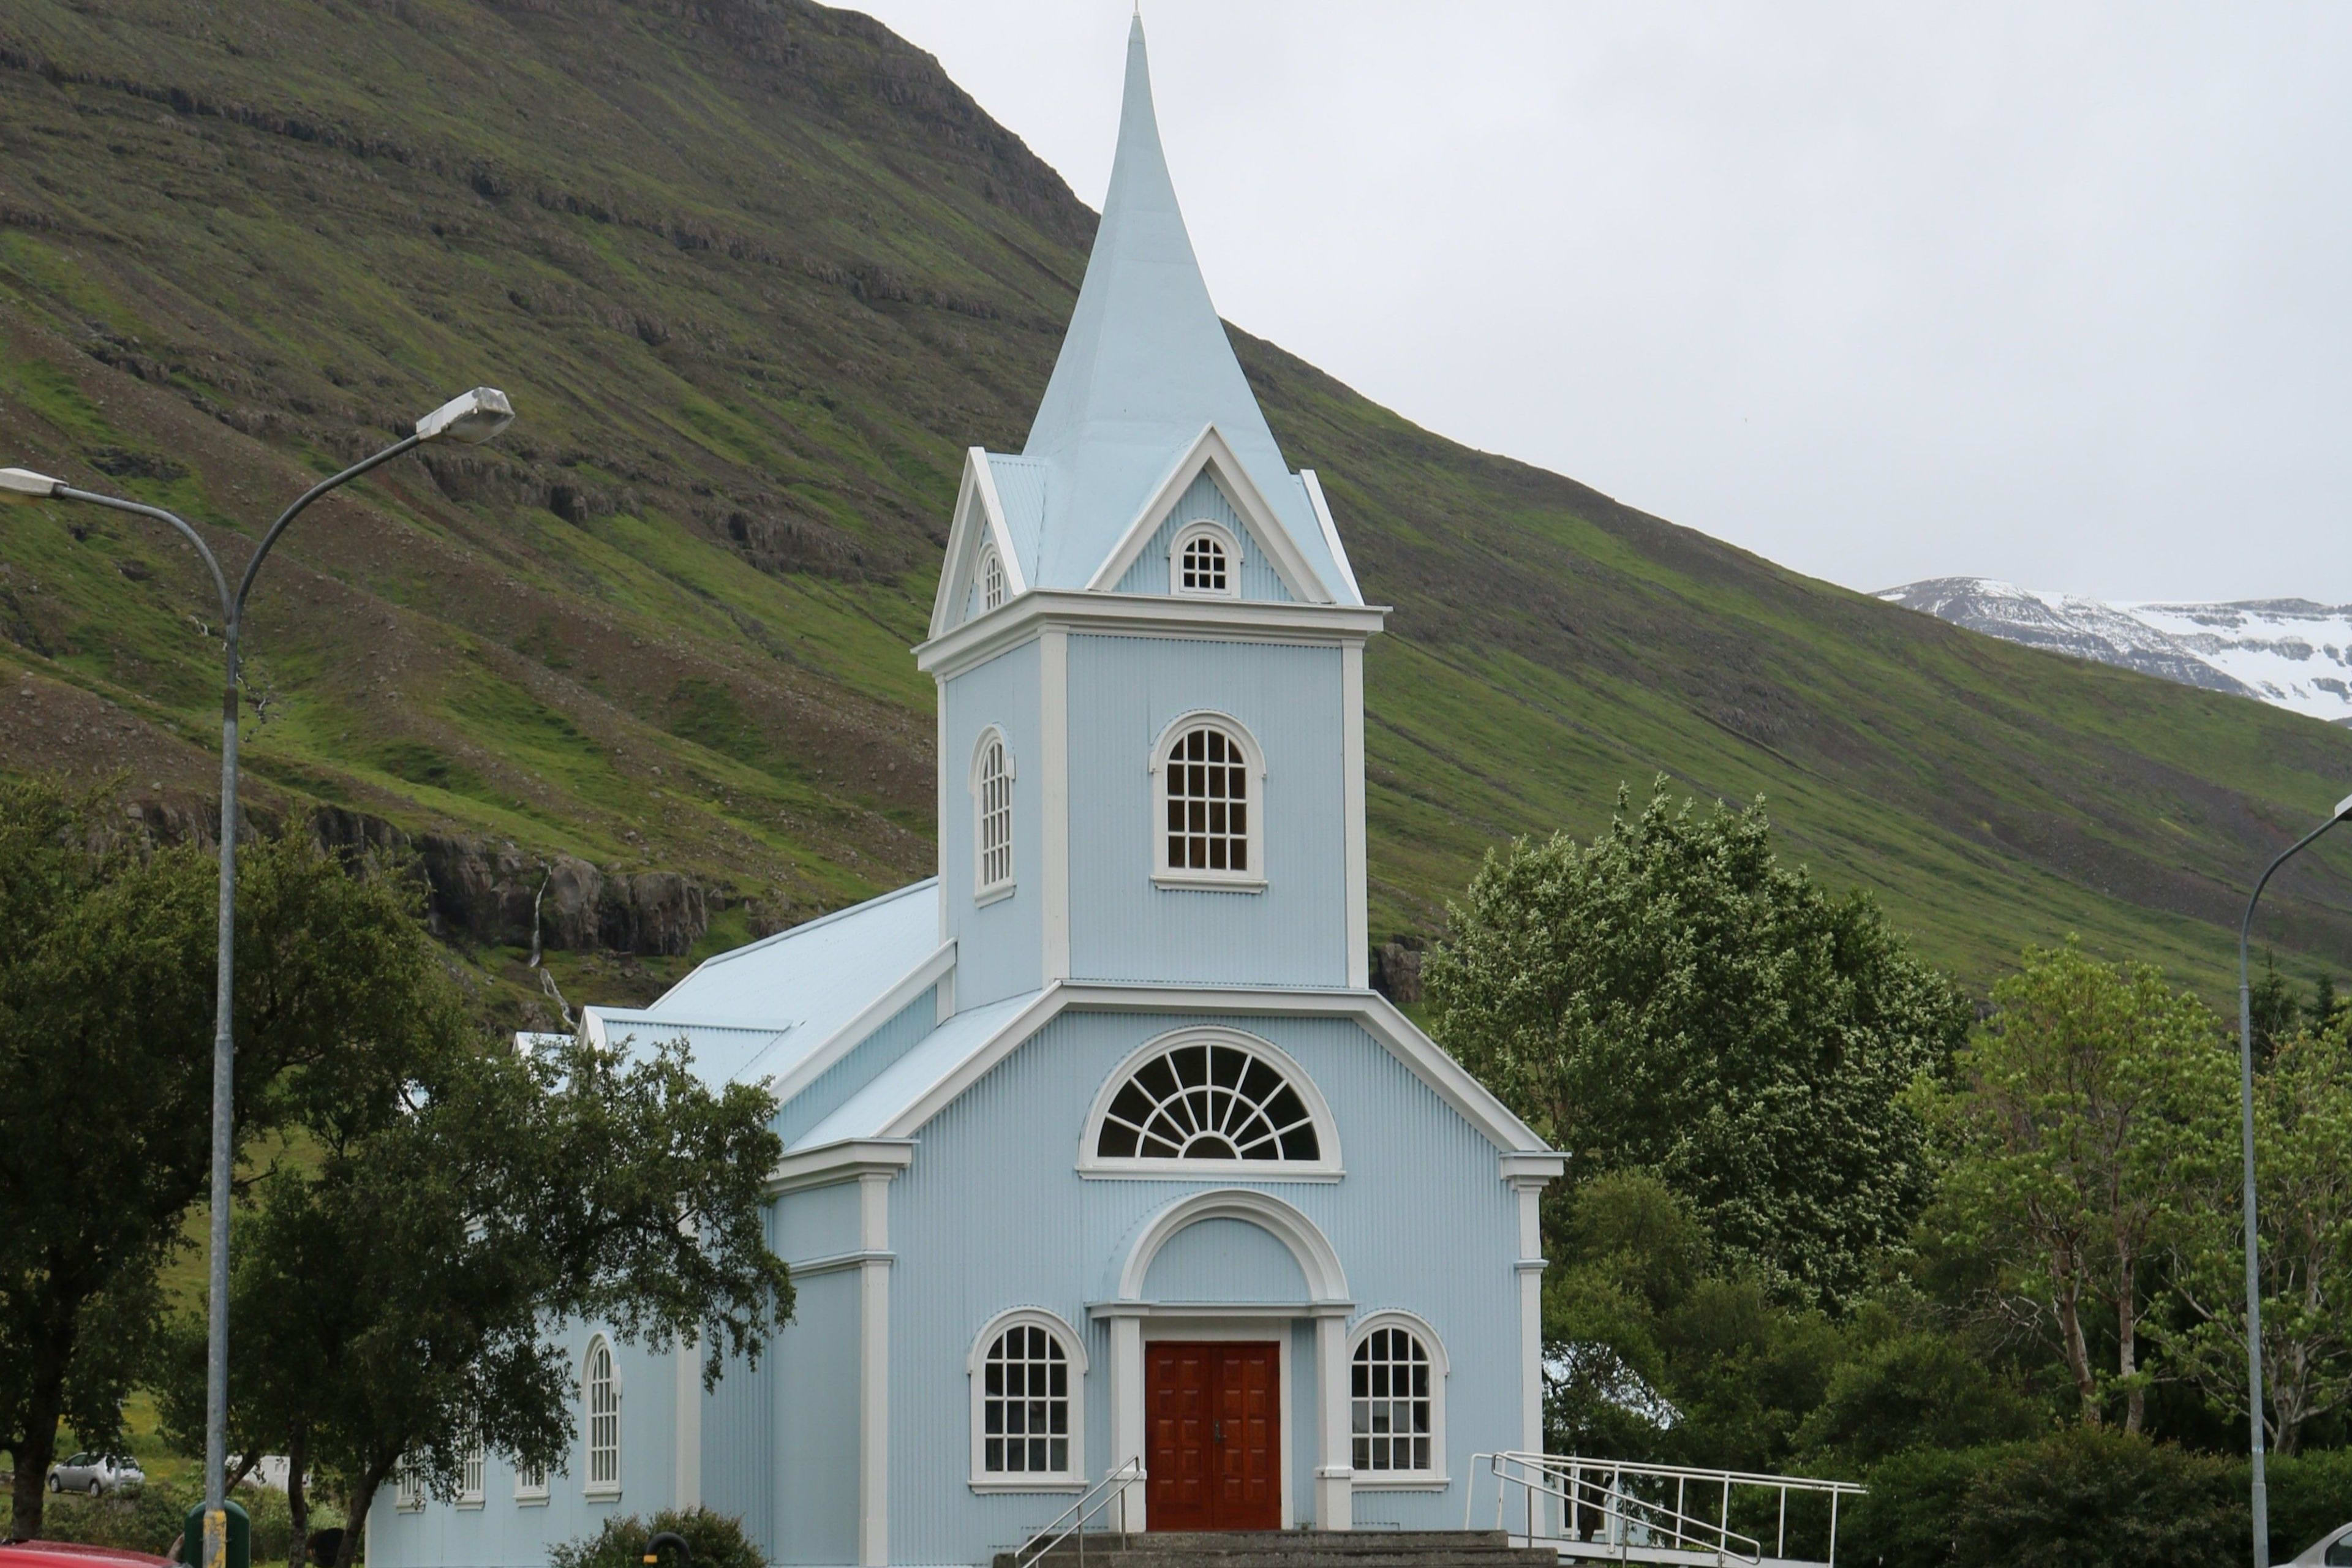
(240, 1537)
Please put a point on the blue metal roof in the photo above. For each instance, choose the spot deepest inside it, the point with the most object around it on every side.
(898, 1086)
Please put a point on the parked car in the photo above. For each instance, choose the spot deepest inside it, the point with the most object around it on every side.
(71, 1554)
(2333, 1549)
(97, 1474)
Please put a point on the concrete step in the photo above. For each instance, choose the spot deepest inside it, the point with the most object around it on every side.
(1296, 1549)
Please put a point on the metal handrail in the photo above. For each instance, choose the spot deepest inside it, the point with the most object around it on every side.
(1071, 1520)
(1599, 1485)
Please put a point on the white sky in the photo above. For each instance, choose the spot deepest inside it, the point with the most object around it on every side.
(2051, 292)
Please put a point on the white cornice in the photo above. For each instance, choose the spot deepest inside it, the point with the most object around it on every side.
(1314, 487)
(1210, 452)
(832, 1162)
(1245, 620)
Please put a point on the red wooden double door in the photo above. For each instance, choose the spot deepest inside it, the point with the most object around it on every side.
(1214, 1435)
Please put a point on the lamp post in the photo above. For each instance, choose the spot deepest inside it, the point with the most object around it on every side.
(2262, 1504)
(473, 418)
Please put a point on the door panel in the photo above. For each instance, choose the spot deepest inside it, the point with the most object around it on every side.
(1213, 1412)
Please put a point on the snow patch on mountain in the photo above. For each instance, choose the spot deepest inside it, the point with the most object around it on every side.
(2289, 652)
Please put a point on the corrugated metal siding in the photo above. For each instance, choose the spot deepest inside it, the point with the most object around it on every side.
(1020, 486)
(1203, 499)
(1123, 692)
(814, 1474)
(1224, 1260)
(992, 1215)
(817, 1221)
(888, 1042)
(1000, 949)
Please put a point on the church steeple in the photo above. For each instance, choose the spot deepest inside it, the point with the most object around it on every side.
(1145, 367)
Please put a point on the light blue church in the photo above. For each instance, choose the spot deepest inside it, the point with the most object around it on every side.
(1100, 1148)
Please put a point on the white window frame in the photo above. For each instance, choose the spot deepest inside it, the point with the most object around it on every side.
(469, 1474)
(1325, 1167)
(1074, 1348)
(1253, 879)
(590, 1487)
(531, 1488)
(407, 1488)
(1433, 1479)
(984, 891)
(1204, 529)
(988, 581)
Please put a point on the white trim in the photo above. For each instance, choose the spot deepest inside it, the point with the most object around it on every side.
(876, 1013)
(940, 750)
(989, 553)
(407, 1488)
(1531, 1390)
(874, 1366)
(1330, 532)
(952, 653)
(1216, 1324)
(530, 1494)
(590, 1487)
(1210, 452)
(1334, 1480)
(1016, 581)
(1358, 886)
(976, 496)
(473, 1466)
(1318, 1259)
(1325, 1166)
(1204, 527)
(1074, 1348)
(1053, 816)
(1439, 1368)
(687, 1456)
(830, 1164)
(984, 891)
(1251, 879)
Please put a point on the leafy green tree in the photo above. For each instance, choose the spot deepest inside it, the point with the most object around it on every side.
(2303, 1141)
(2073, 1116)
(2270, 1007)
(1903, 1384)
(404, 1288)
(716, 1540)
(1671, 997)
(106, 1014)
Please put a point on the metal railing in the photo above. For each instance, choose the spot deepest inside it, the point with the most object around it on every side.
(1071, 1520)
(1626, 1507)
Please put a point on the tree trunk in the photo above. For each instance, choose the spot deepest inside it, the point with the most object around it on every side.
(2068, 1302)
(45, 1403)
(355, 1513)
(298, 1505)
(2127, 1345)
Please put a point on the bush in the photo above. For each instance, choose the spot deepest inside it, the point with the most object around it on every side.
(717, 1541)
(151, 1522)
(2310, 1495)
(1911, 1517)
(1920, 1390)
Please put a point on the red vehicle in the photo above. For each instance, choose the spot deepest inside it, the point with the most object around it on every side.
(73, 1554)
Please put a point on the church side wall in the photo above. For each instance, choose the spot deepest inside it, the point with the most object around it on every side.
(815, 1419)
(1124, 692)
(992, 1215)
(1000, 946)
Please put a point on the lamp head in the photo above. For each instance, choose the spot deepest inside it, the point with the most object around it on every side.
(472, 418)
(25, 482)
(2343, 808)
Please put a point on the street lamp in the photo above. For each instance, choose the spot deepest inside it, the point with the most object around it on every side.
(474, 417)
(2246, 1140)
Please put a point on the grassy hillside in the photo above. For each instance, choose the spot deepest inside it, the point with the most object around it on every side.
(755, 273)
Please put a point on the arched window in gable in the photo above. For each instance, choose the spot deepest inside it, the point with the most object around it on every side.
(992, 578)
(600, 1393)
(1208, 821)
(991, 816)
(1210, 1102)
(1027, 1409)
(1204, 561)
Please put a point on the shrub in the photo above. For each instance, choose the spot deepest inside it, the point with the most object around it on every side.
(1911, 1517)
(2310, 1494)
(2090, 1498)
(717, 1541)
(1915, 1390)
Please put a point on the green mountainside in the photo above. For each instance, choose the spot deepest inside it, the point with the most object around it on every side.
(755, 273)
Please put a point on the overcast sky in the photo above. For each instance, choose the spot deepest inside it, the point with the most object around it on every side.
(2055, 293)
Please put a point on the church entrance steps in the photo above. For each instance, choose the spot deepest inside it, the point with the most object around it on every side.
(1296, 1548)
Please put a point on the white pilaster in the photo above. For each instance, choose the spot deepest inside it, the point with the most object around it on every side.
(1127, 1416)
(874, 1370)
(1334, 1506)
(1351, 779)
(1530, 1267)
(687, 1485)
(1054, 712)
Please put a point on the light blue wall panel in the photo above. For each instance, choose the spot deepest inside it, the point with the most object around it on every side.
(814, 1477)
(1124, 692)
(1202, 499)
(1000, 947)
(888, 1042)
(817, 1221)
(739, 1436)
(1225, 1260)
(992, 1215)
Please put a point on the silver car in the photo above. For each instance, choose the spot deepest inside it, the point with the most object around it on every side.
(2333, 1549)
(97, 1474)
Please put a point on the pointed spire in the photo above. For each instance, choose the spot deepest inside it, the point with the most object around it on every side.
(1146, 363)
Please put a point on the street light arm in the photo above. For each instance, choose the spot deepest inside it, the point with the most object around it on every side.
(212, 563)
(2246, 926)
(253, 566)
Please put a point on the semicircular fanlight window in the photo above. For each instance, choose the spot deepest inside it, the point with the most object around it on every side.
(1207, 1101)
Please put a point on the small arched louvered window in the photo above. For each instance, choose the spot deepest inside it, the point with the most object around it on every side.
(1207, 1101)
(1202, 563)
(992, 579)
(991, 805)
(600, 1389)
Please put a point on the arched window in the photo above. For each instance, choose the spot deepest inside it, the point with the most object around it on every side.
(991, 816)
(469, 1475)
(600, 1388)
(407, 1487)
(1026, 1405)
(1208, 833)
(992, 578)
(1396, 1401)
(1202, 1102)
(1202, 562)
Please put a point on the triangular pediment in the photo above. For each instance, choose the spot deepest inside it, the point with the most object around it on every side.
(1211, 455)
(980, 522)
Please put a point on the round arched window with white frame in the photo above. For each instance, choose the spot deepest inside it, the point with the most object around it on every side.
(1028, 1408)
(600, 1390)
(990, 578)
(1205, 561)
(1396, 1401)
(991, 816)
(1209, 812)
